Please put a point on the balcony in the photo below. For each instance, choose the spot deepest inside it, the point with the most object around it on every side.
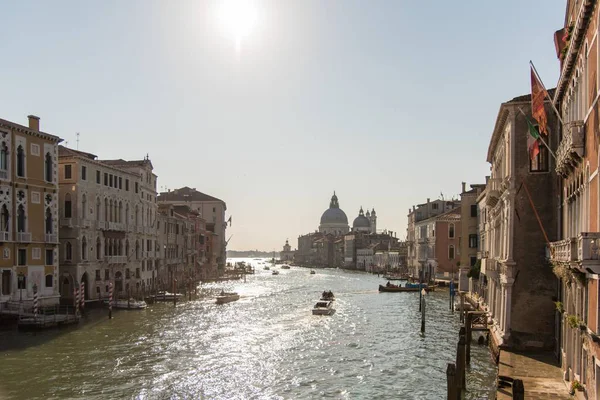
(66, 222)
(24, 237)
(582, 252)
(51, 238)
(563, 251)
(570, 150)
(115, 259)
(115, 226)
(85, 223)
(5, 236)
(493, 192)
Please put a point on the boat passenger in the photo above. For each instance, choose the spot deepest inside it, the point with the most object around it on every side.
(388, 284)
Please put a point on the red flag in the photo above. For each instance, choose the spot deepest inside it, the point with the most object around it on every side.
(538, 95)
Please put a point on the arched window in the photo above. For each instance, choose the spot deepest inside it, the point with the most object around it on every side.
(106, 214)
(4, 157)
(127, 213)
(84, 248)
(49, 281)
(451, 230)
(83, 206)
(137, 215)
(48, 167)
(451, 252)
(137, 249)
(20, 161)
(21, 218)
(127, 247)
(98, 248)
(110, 210)
(4, 219)
(120, 250)
(105, 246)
(120, 213)
(97, 209)
(68, 251)
(48, 220)
(68, 205)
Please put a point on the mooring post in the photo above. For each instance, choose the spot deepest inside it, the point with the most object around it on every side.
(451, 382)
(422, 310)
(469, 331)
(462, 306)
(175, 292)
(518, 390)
(460, 361)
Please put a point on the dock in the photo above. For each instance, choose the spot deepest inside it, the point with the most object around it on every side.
(47, 317)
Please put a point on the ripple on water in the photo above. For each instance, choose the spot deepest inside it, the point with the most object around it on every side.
(265, 346)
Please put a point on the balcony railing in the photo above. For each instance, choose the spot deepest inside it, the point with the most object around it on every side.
(570, 149)
(66, 222)
(85, 223)
(51, 238)
(563, 251)
(581, 252)
(115, 259)
(23, 236)
(115, 226)
(5, 236)
(493, 192)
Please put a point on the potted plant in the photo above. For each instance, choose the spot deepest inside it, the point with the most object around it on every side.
(575, 385)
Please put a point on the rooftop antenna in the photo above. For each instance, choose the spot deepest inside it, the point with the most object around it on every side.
(77, 140)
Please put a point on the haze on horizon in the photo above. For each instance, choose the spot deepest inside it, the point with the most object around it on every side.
(274, 113)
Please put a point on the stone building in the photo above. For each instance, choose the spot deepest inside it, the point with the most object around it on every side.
(517, 280)
(469, 236)
(575, 257)
(107, 228)
(416, 214)
(334, 220)
(28, 213)
(287, 254)
(212, 210)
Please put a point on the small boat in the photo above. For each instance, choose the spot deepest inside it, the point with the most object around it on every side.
(130, 304)
(225, 297)
(266, 268)
(323, 307)
(166, 296)
(275, 272)
(312, 272)
(393, 278)
(394, 288)
(285, 267)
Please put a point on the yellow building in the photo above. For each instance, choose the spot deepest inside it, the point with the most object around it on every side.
(28, 213)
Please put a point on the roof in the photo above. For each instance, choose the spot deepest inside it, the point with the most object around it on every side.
(527, 97)
(448, 215)
(23, 128)
(186, 194)
(125, 163)
(66, 152)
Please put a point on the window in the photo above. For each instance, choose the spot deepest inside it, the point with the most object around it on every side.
(35, 149)
(473, 261)
(105, 179)
(48, 167)
(49, 257)
(48, 221)
(451, 252)
(434, 206)
(98, 249)
(106, 275)
(36, 253)
(49, 280)
(120, 183)
(20, 161)
(540, 162)
(22, 256)
(4, 157)
(83, 173)
(215, 209)
(67, 171)
(127, 273)
(451, 231)
(127, 185)
(68, 205)
(22, 282)
(68, 251)
(6, 282)
(110, 180)
(97, 274)
(84, 248)
(21, 219)
(98, 179)
(473, 210)
(136, 187)
(83, 206)
(473, 241)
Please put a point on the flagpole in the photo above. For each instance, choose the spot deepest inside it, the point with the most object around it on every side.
(535, 211)
(539, 136)
(544, 86)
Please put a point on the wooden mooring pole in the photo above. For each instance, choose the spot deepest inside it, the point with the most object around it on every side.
(518, 390)
(451, 382)
(175, 292)
(460, 361)
(469, 334)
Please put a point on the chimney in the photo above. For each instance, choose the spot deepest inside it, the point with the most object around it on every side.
(487, 178)
(34, 122)
(464, 184)
(428, 200)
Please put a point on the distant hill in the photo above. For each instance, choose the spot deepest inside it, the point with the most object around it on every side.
(251, 254)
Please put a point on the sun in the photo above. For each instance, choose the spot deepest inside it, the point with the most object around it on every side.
(238, 18)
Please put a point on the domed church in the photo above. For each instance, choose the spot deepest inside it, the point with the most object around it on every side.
(367, 224)
(334, 220)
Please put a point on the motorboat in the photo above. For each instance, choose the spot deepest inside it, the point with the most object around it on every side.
(225, 297)
(312, 272)
(275, 272)
(323, 307)
(285, 267)
(130, 304)
(327, 296)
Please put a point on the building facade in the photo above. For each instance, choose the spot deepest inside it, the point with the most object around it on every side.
(28, 213)
(469, 232)
(518, 282)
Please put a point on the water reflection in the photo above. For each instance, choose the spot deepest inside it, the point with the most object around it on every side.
(267, 345)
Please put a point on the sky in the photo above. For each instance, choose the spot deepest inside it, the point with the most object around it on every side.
(387, 102)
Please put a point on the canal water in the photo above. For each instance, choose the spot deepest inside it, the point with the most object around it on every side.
(267, 345)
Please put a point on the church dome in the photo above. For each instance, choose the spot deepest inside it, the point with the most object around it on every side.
(361, 221)
(334, 214)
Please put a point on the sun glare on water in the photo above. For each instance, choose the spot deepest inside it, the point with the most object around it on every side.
(238, 18)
